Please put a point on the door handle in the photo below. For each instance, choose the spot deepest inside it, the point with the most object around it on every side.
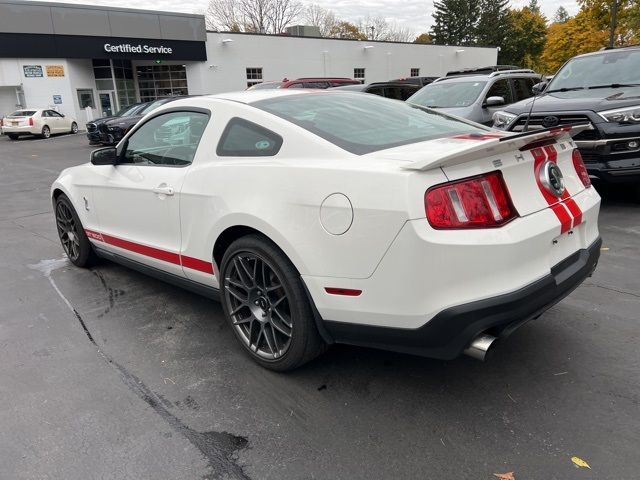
(163, 189)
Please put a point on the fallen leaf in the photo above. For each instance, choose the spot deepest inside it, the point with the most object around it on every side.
(604, 249)
(580, 462)
(505, 476)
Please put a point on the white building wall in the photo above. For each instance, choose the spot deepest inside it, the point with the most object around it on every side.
(81, 77)
(39, 91)
(294, 57)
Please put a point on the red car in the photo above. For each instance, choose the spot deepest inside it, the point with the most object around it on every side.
(310, 82)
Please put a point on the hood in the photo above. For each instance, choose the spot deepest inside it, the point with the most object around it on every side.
(102, 119)
(596, 100)
(123, 121)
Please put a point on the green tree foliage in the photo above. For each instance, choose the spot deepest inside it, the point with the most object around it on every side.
(526, 38)
(423, 38)
(561, 15)
(492, 29)
(455, 22)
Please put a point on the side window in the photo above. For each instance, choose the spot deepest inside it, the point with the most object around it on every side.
(501, 89)
(408, 91)
(54, 114)
(393, 92)
(45, 113)
(522, 88)
(296, 85)
(376, 91)
(168, 139)
(242, 138)
(316, 85)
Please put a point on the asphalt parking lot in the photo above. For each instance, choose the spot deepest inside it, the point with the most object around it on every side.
(108, 374)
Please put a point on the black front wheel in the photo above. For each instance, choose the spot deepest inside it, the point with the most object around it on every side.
(74, 127)
(264, 300)
(71, 233)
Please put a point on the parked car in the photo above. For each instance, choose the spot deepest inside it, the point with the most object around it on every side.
(421, 81)
(482, 70)
(301, 210)
(93, 131)
(310, 82)
(37, 121)
(477, 96)
(601, 89)
(112, 131)
(397, 91)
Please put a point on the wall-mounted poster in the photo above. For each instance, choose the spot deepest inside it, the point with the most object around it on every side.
(57, 99)
(55, 70)
(32, 70)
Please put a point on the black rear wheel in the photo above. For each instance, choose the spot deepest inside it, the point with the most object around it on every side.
(71, 233)
(46, 132)
(264, 300)
(12, 136)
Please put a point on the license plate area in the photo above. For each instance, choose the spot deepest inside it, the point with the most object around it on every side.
(566, 244)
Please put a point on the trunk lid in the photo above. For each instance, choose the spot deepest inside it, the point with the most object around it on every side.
(521, 159)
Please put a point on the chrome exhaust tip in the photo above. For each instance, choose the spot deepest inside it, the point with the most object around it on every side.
(480, 346)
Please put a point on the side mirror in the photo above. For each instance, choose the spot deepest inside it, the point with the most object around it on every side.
(539, 88)
(493, 101)
(104, 156)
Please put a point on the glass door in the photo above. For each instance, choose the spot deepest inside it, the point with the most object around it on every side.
(107, 106)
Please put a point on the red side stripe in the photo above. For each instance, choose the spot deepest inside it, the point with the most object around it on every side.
(197, 264)
(152, 252)
(169, 257)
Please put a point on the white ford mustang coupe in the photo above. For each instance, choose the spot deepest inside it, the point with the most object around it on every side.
(322, 217)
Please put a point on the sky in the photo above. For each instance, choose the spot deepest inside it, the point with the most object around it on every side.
(414, 15)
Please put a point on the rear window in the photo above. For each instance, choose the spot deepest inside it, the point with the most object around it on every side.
(362, 124)
(23, 113)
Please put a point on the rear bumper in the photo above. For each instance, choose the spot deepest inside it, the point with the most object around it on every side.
(19, 130)
(447, 334)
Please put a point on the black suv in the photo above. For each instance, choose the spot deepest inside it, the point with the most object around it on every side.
(395, 90)
(93, 127)
(602, 89)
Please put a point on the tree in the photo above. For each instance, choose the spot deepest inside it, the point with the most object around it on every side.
(377, 28)
(454, 22)
(320, 17)
(493, 25)
(261, 16)
(526, 38)
(423, 38)
(346, 30)
(561, 15)
(534, 6)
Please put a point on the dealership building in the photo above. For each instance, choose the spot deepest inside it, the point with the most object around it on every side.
(90, 61)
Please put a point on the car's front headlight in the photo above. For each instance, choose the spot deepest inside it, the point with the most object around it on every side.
(622, 115)
(503, 119)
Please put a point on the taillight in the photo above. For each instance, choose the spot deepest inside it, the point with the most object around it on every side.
(31, 121)
(581, 170)
(477, 202)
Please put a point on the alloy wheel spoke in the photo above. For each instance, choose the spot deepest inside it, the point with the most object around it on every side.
(239, 297)
(243, 272)
(269, 340)
(282, 316)
(279, 325)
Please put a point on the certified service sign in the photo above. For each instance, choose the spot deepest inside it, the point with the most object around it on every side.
(32, 71)
(55, 70)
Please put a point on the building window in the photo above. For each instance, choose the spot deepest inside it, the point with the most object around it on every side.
(254, 76)
(160, 81)
(85, 98)
(415, 72)
(358, 74)
(254, 73)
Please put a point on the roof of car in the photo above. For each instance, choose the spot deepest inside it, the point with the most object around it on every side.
(484, 77)
(248, 96)
(607, 50)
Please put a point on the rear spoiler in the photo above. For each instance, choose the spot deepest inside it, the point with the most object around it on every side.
(490, 144)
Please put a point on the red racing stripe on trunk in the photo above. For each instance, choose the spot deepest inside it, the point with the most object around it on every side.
(563, 215)
(575, 210)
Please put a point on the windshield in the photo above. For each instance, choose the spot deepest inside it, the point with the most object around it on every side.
(23, 113)
(446, 94)
(362, 124)
(606, 68)
(128, 110)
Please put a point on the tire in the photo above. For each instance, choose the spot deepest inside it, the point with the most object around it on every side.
(46, 132)
(265, 303)
(74, 127)
(71, 233)
(12, 136)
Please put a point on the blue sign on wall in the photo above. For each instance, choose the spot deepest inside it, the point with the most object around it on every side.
(57, 99)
